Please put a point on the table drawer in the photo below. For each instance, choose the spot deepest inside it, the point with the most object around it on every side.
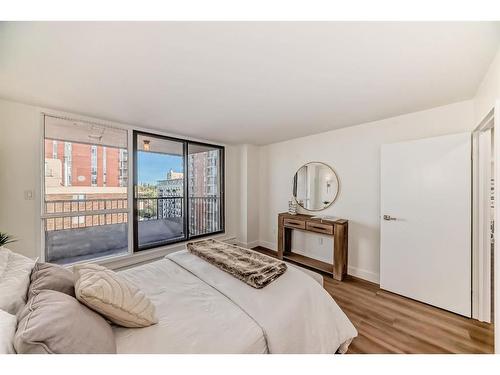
(299, 224)
(319, 227)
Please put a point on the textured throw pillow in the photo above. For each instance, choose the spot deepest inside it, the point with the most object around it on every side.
(15, 273)
(51, 277)
(113, 296)
(53, 322)
(8, 323)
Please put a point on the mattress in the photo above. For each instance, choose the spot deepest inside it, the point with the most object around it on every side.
(202, 309)
(191, 316)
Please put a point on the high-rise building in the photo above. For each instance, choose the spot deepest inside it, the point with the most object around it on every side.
(83, 177)
(204, 191)
(170, 195)
(68, 164)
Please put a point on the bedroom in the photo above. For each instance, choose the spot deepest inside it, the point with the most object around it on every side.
(180, 187)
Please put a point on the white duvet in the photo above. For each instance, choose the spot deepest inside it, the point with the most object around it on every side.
(202, 309)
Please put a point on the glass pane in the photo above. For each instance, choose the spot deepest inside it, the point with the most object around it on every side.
(160, 191)
(204, 187)
(86, 178)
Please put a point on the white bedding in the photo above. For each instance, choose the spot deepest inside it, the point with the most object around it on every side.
(202, 309)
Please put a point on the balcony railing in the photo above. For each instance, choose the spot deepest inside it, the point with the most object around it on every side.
(79, 229)
(204, 212)
(82, 213)
(204, 215)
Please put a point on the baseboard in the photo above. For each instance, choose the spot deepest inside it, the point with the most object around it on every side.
(251, 245)
(247, 245)
(354, 271)
(364, 274)
(268, 245)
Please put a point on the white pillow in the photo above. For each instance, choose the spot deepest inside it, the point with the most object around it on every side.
(113, 296)
(15, 271)
(8, 323)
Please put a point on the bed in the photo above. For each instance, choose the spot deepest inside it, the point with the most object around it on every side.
(202, 309)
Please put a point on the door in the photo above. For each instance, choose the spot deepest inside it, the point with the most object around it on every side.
(426, 221)
(159, 204)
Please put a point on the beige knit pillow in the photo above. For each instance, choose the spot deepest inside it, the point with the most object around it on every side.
(111, 295)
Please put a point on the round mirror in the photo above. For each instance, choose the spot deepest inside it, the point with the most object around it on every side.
(315, 186)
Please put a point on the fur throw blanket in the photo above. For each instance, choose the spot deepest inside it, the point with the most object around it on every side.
(251, 267)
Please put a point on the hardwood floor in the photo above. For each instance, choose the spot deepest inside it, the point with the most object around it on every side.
(389, 323)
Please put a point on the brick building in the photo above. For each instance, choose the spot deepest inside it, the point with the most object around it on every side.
(68, 164)
(80, 178)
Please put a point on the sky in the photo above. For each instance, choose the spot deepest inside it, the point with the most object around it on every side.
(153, 167)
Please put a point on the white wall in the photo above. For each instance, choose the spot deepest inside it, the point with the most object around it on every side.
(248, 234)
(258, 179)
(20, 132)
(488, 91)
(354, 153)
(20, 151)
(487, 96)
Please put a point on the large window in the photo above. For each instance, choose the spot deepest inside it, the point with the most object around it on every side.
(178, 190)
(85, 210)
(204, 185)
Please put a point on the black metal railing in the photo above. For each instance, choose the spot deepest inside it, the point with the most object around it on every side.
(204, 212)
(204, 215)
(159, 208)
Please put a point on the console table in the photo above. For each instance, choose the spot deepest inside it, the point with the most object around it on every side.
(338, 229)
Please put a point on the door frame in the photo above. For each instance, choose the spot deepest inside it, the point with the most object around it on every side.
(482, 137)
(496, 269)
(186, 207)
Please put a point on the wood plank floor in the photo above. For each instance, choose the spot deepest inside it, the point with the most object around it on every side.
(389, 323)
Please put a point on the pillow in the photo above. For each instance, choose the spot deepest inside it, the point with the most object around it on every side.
(51, 277)
(53, 322)
(113, 296)
(15, 273)
(8, 323)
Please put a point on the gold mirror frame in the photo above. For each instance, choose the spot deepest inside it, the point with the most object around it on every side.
(338, 185)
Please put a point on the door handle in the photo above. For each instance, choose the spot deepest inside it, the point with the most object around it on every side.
(388, 217)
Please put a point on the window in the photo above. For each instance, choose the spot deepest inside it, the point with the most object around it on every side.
(179, 190)
(123, 176)
(159, 201)
(68, 149)
(205, 188)
(54, 149)
(83, 219)
(93, 165)
(104, 166)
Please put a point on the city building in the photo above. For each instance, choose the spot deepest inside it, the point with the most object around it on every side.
(170, 195)
(204, 191)
(82, 177)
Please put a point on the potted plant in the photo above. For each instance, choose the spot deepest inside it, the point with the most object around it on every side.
(5, 239)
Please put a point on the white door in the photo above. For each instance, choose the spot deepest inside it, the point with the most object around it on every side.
(426, 233)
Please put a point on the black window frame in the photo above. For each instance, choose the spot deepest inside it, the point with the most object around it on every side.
(185, 151)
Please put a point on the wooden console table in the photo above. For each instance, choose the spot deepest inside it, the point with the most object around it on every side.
(338, 229)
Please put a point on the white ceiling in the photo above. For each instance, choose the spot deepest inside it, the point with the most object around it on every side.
(244, 82)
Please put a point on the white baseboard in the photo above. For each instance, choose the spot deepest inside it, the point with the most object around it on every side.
(251, 245)
(351, 270)
(354, 271)
(268, 245)
(364, 274)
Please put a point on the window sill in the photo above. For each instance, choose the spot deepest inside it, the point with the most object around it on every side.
(146, 256)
